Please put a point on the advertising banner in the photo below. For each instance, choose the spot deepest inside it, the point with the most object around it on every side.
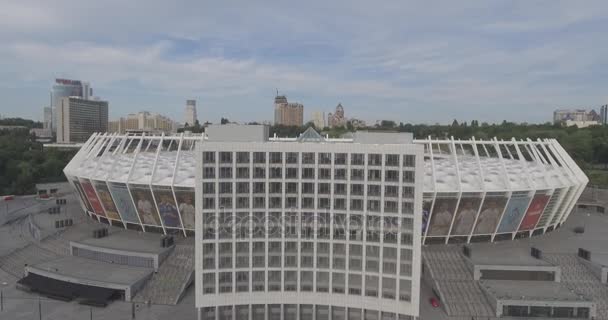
(123, 202)
(537, 206)
(185, 204)
(93, 200)
(106, 200)
(82, 196)
(166, 207)
(144, 203)
(441, 219)
(465, 216)
(513, 214)
(489, 215)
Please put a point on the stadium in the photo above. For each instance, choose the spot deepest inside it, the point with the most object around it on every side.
(473, 191)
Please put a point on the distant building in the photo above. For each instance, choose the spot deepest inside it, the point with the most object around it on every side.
(337, 119)
(47, 119)
(318, 118)
(67, 88)
(576, 117)
(357, 123)
(191, 116)
(78, 118)
(604, 114)
(286, 113)
(143, 121)
(42, 134)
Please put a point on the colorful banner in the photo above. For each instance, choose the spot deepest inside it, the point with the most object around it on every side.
(490, 213)
(166, 207)
(465, 216)
(83, 198)
(123, 202)
(513, 214)
(144, 203)
(537, 206)
(426, 212)
(106, 200)
(441, 219)
(186, 205)
(93, 200)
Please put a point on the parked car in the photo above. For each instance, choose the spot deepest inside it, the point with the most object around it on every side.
(434, 302)
(8, 198)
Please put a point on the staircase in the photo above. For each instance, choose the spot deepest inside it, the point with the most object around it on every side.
(174, 275)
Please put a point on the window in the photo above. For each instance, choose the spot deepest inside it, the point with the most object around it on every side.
(391, 191)
(225, 256)
(389, 288)
(308, 188)
(225, 187)
(276, 157)
(307, 255)
(308, 158)
(324, 188)
(408, 176)
(340, 158)
(340, 174)
(337, 282)
(291, 187)
(356, 204)
(324, 158)
(242, 254)
(322, 281)
(373, 190)
(242, 157)
(405, 290)
(208, 256)
(391, 175)
(354, 284)
(209, 157)
(259, 187)
(242, 187)
(259, 157)
(291, 281)
(274, 280)
(340, 189)
(372, 258)
(208, 187)
(390, 206)
(275, 254)
(374, 159)
(242, 281)
(259, 173)
(374, 175)
(392, 160)
(242, 173)
(357, 174)
(357, 159)
(407, 208)
(371, 286)
(409, 160)
(226, 157)
(308, 173)
(389, 260)
(355, 257)
(356, 189)
(225, 282)
(408, 192)
(306, 280)
(208, 173)
(291, 157)
(276, 173)
(340, 204)
(259, 254)
(208, 283)
(291, 173)
(226, 172)
(258, 281)
(324, 174)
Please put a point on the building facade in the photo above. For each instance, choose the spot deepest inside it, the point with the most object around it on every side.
(78, 119)
(67, 88)
(308, 230)
(143, 122)
(576, 117)
(288, 113)
(318, 119)
(191, 116)
(337, 119)
(47, 118)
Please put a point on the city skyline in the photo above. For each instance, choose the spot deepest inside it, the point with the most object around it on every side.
(465, 62)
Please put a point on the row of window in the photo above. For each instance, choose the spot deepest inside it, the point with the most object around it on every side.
(278, 202)
(308, 225)
(276, 280)
(295, 312)
(240, 255)
(355, 189)
(307, 174)
(374, 159)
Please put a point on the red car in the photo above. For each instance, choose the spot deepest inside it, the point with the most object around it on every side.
(8, 198)
(434, 302)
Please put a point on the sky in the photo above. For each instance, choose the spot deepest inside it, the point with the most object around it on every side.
(407, 61)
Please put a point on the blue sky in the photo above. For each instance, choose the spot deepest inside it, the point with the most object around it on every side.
(420, 62)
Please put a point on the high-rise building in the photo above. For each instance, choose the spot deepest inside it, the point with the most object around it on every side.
(286, 113)
(143, 121)
(191, 116)
(47, 119)
(337, 119)
(78, 118)
(67, 88)
(318, 119)
(604, 114)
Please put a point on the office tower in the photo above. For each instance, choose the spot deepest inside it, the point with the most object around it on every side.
(78, 118)
(67, 88)
(286, 113)
(47, 120)
(604, 114)
(191, 116)
(318, 119)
